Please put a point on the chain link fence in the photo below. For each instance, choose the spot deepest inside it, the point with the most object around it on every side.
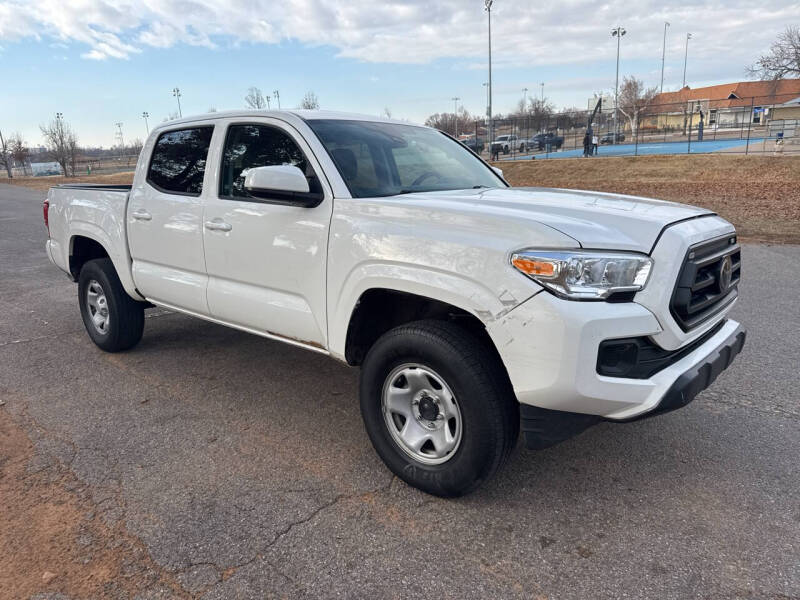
(768, 125)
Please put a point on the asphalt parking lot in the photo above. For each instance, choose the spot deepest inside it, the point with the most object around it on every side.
(241, 466)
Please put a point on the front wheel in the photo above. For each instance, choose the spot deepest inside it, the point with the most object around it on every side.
(113, 319)
(438, 407)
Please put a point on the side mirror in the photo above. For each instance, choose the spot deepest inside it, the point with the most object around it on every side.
(499, 172)
(281, 184)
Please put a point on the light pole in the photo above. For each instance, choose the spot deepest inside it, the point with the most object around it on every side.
(177, 93)
(686, 58)
(488, 7)
(525, 99)
(618, 32)
(267, 99)
(455, 100)
(146, 125)
(663, 55)
(121, 139)
(59, 116)
(277, 95)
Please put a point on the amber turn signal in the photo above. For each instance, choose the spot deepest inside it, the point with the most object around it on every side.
(534, 267)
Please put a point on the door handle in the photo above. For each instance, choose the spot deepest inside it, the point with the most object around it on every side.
(218, 225)
(141, 215)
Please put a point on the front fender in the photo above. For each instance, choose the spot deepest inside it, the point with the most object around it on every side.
(471, 296)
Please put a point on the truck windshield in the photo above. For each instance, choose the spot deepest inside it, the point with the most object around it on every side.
(386, 159)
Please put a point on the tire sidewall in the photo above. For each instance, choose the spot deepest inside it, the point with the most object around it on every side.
(93, 271)
(479, 445)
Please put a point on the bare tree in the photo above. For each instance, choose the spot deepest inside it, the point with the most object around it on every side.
(171, 117)
(310, 101)
(135, 147)
(62, 144)
(534, 107)
(19, 150)
(255, 99)
(5, 155)
(633, 99)
(447, 122)
(387, 112)
(783, 58)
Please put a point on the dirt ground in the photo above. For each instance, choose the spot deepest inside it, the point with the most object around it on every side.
(53, 539)
(758, 194)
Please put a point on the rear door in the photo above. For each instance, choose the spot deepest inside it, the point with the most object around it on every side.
(165, 220)
(266, 260)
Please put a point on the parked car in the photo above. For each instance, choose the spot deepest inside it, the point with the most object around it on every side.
(473, 144)
(503, 144)
(541, 140)
(474, 310)
(609, 138)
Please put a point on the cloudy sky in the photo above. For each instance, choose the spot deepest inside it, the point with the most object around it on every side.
(102, 61)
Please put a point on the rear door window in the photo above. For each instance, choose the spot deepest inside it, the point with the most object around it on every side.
(178, 163)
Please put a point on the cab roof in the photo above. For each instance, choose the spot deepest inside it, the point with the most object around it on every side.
(285, 115)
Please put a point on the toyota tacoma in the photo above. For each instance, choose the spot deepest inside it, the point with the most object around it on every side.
(474, 310)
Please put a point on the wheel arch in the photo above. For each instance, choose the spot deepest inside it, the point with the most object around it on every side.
(89, 243)
(380, 309)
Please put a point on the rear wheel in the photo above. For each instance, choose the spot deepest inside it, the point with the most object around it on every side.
(113, 319)
(438, 407)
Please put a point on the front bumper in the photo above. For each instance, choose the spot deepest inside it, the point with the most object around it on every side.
(543, 428)
(702, 374)
(550, 349)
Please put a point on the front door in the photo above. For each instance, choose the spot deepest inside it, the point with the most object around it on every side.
(165, 220)
(266, 261)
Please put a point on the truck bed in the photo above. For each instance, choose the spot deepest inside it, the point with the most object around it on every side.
(95, 187)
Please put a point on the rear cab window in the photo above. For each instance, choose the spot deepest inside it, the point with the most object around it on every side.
(178, 161)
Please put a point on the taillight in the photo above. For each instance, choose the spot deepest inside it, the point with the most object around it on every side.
(45, 210)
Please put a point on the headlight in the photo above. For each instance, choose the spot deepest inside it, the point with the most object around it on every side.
(585, 275)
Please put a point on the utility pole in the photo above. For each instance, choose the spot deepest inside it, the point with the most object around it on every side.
(663, 55)
(488, 5)
(686, 58)
(542, 84)
(618, 32)
(177, 93)
(277, 95)
(146, 125)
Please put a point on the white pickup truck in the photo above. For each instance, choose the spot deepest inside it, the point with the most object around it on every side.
(475, 310)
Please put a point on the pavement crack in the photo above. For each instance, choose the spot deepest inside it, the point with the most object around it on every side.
(338, 498)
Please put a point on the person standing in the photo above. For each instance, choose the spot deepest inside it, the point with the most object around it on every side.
(595, 142)
(587, 143)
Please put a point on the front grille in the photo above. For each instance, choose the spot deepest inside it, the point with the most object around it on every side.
(708, 281)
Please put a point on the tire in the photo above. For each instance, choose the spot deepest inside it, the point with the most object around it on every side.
(483, 416)
(113, 319)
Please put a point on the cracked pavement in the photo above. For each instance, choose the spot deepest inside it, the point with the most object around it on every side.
(241, 465)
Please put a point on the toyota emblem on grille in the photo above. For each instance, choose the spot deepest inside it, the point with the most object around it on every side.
(725, 274)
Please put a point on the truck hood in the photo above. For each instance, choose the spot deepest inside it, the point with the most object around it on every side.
(592, 219)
